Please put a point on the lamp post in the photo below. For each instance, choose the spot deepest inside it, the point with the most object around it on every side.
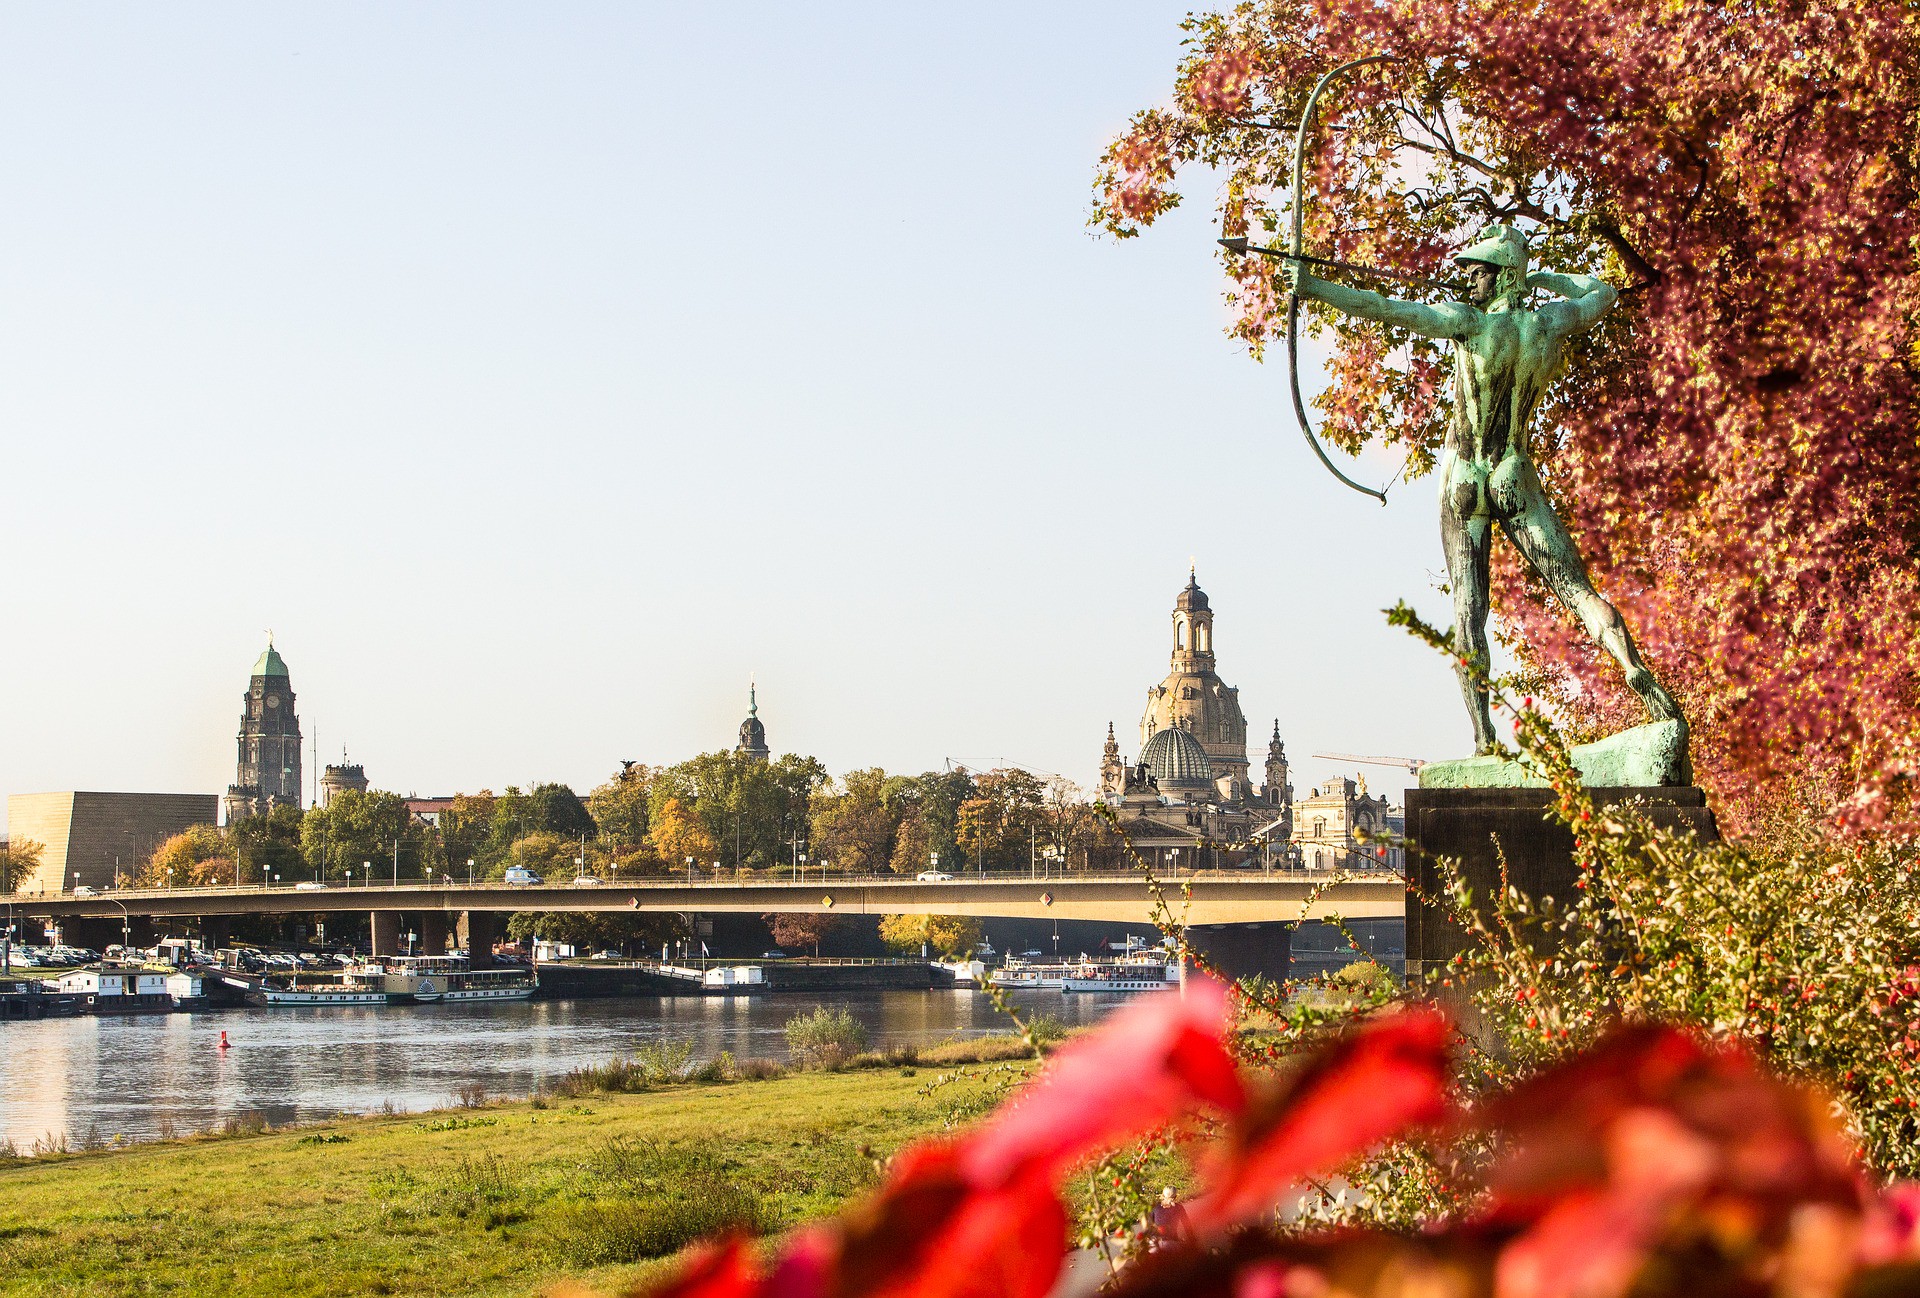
(689, 869)
(469, 869)
(169, 876)
(366, 871)
(803, 867)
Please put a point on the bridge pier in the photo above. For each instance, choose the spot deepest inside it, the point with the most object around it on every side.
(385, 935)
(215, 931)
(94, 934)
(1243, 950)
(433, 932)
(478, 931)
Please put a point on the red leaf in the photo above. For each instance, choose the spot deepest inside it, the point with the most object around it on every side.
(724, 1269)
(1151, 1063)
(1363, 1089)
(931, 1232)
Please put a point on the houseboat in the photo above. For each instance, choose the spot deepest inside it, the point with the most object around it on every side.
(403, 980)
(107, 989)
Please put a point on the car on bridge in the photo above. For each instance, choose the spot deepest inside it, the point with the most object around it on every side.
(586, 881)
(309, 885)
(520, 876)
(933, 876)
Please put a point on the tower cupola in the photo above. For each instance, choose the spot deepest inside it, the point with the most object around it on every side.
(753, 735)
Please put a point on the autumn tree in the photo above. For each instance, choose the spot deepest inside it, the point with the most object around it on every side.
(753, 811)
(998, 825)
(945, 935)
(196, 857)
(798, 929)
(1733, 449)
(678, 834)
(929, 809)
(19, 860)
(854, 829)
(620, 807)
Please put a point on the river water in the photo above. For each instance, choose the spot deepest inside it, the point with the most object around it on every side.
(148, 1076)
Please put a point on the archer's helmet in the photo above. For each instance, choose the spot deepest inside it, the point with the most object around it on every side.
(1499, 245)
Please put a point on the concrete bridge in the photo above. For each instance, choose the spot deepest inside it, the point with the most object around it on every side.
(471, 913)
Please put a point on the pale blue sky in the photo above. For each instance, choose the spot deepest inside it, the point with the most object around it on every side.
(539, 372)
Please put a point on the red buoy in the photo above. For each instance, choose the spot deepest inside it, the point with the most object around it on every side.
(224, 1043)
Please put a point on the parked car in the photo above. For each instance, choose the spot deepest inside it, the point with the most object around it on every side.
(933, 876)
(520, 876)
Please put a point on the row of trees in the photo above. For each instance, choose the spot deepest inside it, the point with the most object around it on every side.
(718, 810)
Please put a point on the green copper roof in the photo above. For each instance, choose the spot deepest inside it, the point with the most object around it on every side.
(270, 663)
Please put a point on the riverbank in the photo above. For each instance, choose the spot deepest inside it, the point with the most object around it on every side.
(502, 1199)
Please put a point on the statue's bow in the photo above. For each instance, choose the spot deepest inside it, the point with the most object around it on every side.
(1298, 252)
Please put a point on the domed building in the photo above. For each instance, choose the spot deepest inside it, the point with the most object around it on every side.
(1188, 798)
(1178, 764)
(1193, 696)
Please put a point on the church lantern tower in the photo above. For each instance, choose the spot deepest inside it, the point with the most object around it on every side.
(267, 773)
(1195, 698)
(753, 735)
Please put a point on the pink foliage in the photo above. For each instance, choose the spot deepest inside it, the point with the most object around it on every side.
(1736, 453)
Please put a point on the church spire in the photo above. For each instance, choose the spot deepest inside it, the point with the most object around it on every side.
(753, 735)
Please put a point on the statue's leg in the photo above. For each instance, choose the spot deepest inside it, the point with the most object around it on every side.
(1540, 536)
(1466, 534)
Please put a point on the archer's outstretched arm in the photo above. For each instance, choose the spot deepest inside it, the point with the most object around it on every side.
(1587, 299)
(1447, 320)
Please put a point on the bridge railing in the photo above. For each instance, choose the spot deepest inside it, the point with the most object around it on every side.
(725, 879)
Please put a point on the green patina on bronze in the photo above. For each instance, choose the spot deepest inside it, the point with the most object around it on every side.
(1506, 354)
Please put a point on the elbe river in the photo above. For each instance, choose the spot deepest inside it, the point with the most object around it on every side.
(144, 1077)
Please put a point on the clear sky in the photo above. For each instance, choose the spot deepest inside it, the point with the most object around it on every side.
(539, 372)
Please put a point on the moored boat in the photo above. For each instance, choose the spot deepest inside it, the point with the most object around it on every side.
(405, 980)
(1132, 976)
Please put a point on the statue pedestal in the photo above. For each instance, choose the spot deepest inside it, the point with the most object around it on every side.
(1464, 823)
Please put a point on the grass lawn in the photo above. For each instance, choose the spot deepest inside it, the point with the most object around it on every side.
(506, 1199)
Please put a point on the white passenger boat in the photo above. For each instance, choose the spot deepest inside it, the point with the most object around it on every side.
(1020, 976)
(1132, 976)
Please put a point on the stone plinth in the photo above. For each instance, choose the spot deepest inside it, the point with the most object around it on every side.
(1466, 823)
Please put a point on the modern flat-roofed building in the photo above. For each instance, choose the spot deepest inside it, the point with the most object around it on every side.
(87, 837)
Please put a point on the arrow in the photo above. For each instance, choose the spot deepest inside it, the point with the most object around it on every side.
(1242, 247)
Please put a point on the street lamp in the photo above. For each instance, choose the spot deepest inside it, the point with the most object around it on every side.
(366, 871)
(169, 876)
(469, 869)
(689, 869)
(803, 867)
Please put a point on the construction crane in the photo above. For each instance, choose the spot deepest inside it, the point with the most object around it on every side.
(1410, 764)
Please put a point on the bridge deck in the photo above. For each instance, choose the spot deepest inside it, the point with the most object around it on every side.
(1218, 897)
